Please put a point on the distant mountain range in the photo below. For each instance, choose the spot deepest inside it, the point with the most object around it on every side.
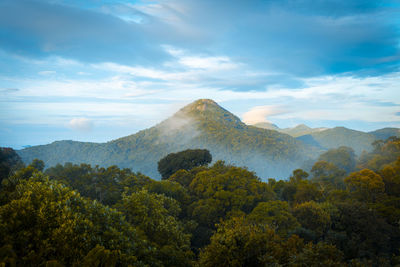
(269, 152)
(327, 138)
(299, 130)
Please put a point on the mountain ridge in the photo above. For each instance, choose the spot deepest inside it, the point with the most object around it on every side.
(202, 124)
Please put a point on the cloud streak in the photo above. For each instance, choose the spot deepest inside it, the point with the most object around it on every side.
(261, 113)
(81, 124)
(134, 64)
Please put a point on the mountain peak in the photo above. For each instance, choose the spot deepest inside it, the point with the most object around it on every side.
(207, 110)
(202, 105)
(267, 125)
(301, 126)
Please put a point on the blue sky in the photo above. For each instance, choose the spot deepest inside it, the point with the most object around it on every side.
(98, 70)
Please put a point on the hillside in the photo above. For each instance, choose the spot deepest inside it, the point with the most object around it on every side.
(326, 138)
(341, 136)
(267, 125)
(201, 124)
(385, 133)
(296, 131)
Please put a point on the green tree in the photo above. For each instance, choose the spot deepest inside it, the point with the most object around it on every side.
(276, 214)
(46, 221)
(9, 162)
(223, 189)
(157, 216)
(360, 233)
(37, 164)
(184, 160)
(365, 184)
(342, 157)
(391, 177)
(240, 243)
(328, 175)
(312, 216)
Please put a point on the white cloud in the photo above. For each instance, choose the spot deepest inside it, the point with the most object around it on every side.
(81, 124)
(209, 63)
(115, 90)
(261, 113)
(47, 72)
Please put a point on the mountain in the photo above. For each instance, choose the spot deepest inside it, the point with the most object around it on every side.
(326, 138)
(301, 129)
(385, 133)
(340, 136)
(296, 131)
(267, 125)
(201, 124)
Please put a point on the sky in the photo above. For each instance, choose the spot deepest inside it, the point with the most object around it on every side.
(95, 71)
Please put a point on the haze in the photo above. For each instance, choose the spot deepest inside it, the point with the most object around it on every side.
(99, 70)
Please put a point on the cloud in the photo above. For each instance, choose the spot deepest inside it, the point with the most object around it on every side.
(9, 90)
(47, 72)
(81, 124)
(300, 38)
(73, 32)
(210, 63)
(261, 113)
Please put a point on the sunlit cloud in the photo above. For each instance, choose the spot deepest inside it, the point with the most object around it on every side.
(134, 64)
(81, 124)
(261, 114)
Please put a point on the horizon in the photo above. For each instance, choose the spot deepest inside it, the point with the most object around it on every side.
(249, 124)
(97, 71)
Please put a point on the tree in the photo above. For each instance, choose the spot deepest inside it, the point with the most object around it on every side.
(361, 233)
(9, 162)
(342, 157)
(327, 174)
(238, 242)
(184, 160)
(46, 221)
(223, 189)
(276, 214)
(157, 216)
(37, 164)
(365, 184)
(312, 217)
(391, 177)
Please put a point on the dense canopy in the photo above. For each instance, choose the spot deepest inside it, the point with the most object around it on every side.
(342, 213)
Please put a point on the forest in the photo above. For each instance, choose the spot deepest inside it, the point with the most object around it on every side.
(343, 211)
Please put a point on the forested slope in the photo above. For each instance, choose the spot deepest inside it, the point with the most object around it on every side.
(202, 124)
(344, 212)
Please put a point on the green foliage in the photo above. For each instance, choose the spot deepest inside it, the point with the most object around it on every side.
(218, 215)
(103, 184)
(391, 177)
(312, 217)
(366, 184)
(157, 216)
(202, 124)
(44, 220)
(9, 162)
(360, 233)
(328, 175)
(240, 243)
(340, 136)
(37, 164)
(101, 257)
(385, 152)
(342, 157)
(222, 189)
(184, 160)
(276, 214)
